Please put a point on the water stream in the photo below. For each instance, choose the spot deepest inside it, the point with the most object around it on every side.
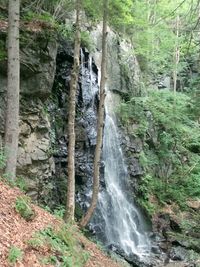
(117, 221)
(123, 223)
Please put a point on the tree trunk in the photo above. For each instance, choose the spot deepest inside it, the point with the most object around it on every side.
(100, 122)
(176, 55)
(12, 111)
(70, 202)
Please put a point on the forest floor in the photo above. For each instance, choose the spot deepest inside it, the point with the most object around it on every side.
(15, 231)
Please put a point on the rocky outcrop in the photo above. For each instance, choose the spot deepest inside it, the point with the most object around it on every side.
(38, 64)
(123, 71)
(45, 76)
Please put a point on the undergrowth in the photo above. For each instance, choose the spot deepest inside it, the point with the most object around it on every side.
(15, 254)
(171, 145)
(65, 250)
(24, 208)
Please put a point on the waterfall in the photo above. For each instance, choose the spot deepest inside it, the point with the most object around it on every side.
(89, 86)
(117, 221)
(123, 224)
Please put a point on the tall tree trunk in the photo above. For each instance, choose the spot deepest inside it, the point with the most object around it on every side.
(70, 202)
(176, 55)
(12, 111)
(100, 122)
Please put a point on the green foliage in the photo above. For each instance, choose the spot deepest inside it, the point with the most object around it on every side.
(2, 159)
(21, 183)
(170, 157)
(59, 211)
(3, 52)
(57, 8)
(86, 41)
(145, 190)
(36, 242)
(66, 31)
(120, 14)
(62, 243)
(94, 12)
(23, 207)
(15, 254)
(45, 16)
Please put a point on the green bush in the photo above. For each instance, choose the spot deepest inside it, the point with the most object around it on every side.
(23, 207)
(15, 254)
(59, 211)
(21, 183)
(65, 249)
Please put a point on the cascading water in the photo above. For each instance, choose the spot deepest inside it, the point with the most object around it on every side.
(123, 224)
(89, 86)
(117, 220)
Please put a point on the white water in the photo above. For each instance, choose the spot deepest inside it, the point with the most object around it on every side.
(117, 220)
(123, 223)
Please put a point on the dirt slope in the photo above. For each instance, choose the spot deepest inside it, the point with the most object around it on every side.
(15, 231)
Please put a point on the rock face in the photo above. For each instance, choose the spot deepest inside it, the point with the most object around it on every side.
(38, 64)
(45, 75)
(123, 69)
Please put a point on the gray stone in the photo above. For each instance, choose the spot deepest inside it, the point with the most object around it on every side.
(25, 128)
(178, 253)
(38, 155)
(123, 69)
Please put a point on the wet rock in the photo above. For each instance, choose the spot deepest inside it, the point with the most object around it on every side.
(133, 259)
(155, 250)
(178, 253)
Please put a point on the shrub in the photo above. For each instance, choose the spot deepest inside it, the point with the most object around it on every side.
(14, 255)
(62, 243)
(23, 207)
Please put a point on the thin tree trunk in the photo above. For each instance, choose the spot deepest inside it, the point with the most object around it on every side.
(100, 122)
(177, 55)
(70, 202)
(12, 111)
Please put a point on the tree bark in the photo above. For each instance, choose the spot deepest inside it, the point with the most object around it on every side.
(13, 85)
(100, 121)
(70, 201)
(177, 54)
